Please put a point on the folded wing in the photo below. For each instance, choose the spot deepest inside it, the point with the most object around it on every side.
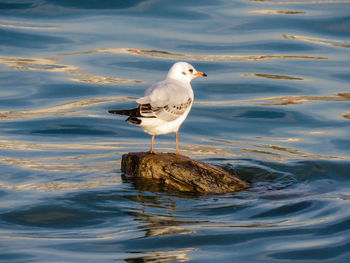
(165, 100)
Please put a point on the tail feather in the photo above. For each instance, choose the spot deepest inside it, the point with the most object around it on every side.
(134, 114)
(131, 112)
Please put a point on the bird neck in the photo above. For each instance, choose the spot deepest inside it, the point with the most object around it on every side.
(178, 77)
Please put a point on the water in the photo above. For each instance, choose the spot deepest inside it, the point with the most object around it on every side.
(274, 109)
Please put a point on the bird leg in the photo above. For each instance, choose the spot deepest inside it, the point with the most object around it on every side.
(177, 143)
(151, 150)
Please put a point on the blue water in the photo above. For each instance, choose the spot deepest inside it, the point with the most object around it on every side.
(275, 109)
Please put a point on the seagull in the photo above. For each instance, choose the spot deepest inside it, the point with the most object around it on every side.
(166, 104)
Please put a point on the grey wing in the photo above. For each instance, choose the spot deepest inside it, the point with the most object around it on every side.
(166, 100)
(167, 112)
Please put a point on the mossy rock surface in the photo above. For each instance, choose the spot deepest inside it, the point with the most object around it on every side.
(180, 173)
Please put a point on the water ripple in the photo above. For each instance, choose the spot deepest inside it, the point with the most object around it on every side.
(160, 54)
(320, 41)
(67, 109)
(27, 25)
(276, 12)
(53, 65)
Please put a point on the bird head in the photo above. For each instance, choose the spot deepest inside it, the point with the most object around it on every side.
(184, 71)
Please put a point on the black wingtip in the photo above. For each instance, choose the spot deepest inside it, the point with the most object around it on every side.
(131, 112)
(118, 112)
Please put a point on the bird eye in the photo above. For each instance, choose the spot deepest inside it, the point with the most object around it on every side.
(190, 70)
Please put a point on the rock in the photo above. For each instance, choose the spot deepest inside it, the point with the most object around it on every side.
(171, 172)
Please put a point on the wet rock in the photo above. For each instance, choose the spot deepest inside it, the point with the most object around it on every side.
(180, 173)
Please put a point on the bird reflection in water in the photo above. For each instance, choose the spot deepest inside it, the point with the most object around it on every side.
(158, 218)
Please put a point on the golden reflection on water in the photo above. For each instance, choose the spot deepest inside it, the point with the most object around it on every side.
(67, 109)
(53, 65)
(179, 255)
(45, 64)
(89, 78)
(321, 41)
(290, 100)
(89, 163)
(63, 186)
(5, 143)
(269, 150)
(206, 151)
(64, 164)
(276, 101)
(271, 76)
(73, 163)
(159, 54)
(82, 163)
(276, 12)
